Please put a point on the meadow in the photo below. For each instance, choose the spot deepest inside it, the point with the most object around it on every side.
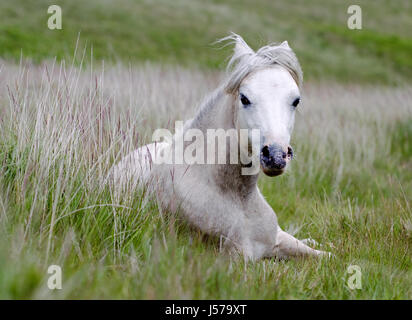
(182, 32)
(65, 119)
(62, 128)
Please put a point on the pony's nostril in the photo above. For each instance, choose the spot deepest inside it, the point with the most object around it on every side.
(290, 152)
(284, 155)
(265, 151)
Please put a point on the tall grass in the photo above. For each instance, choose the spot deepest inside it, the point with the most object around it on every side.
(63, 127)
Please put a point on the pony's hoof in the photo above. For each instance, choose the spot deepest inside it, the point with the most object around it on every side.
(326, 254)
(311, 242)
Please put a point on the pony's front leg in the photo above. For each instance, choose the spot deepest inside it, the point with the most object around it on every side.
(289, 246)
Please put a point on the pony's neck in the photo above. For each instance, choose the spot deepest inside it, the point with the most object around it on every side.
(218, 112)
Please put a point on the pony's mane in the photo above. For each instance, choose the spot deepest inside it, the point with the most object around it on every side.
(245, 60)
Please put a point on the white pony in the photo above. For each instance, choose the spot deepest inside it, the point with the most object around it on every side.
(261, 92)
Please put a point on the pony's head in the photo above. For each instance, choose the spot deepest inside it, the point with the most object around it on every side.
(265, 89)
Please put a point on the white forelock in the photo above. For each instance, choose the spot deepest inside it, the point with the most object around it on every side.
(245, 60)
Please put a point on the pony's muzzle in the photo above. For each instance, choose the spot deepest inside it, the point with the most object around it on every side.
(274, 158)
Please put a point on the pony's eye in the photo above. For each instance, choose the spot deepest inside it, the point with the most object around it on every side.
(296, 102)
(245, 101)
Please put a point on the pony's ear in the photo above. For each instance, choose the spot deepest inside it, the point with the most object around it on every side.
(241, 47)
(285, 44)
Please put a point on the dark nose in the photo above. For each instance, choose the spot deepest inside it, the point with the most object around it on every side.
(273, 156)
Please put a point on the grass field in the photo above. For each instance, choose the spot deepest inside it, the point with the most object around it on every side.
(62, 128)
(182, 31)
(63, 125)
